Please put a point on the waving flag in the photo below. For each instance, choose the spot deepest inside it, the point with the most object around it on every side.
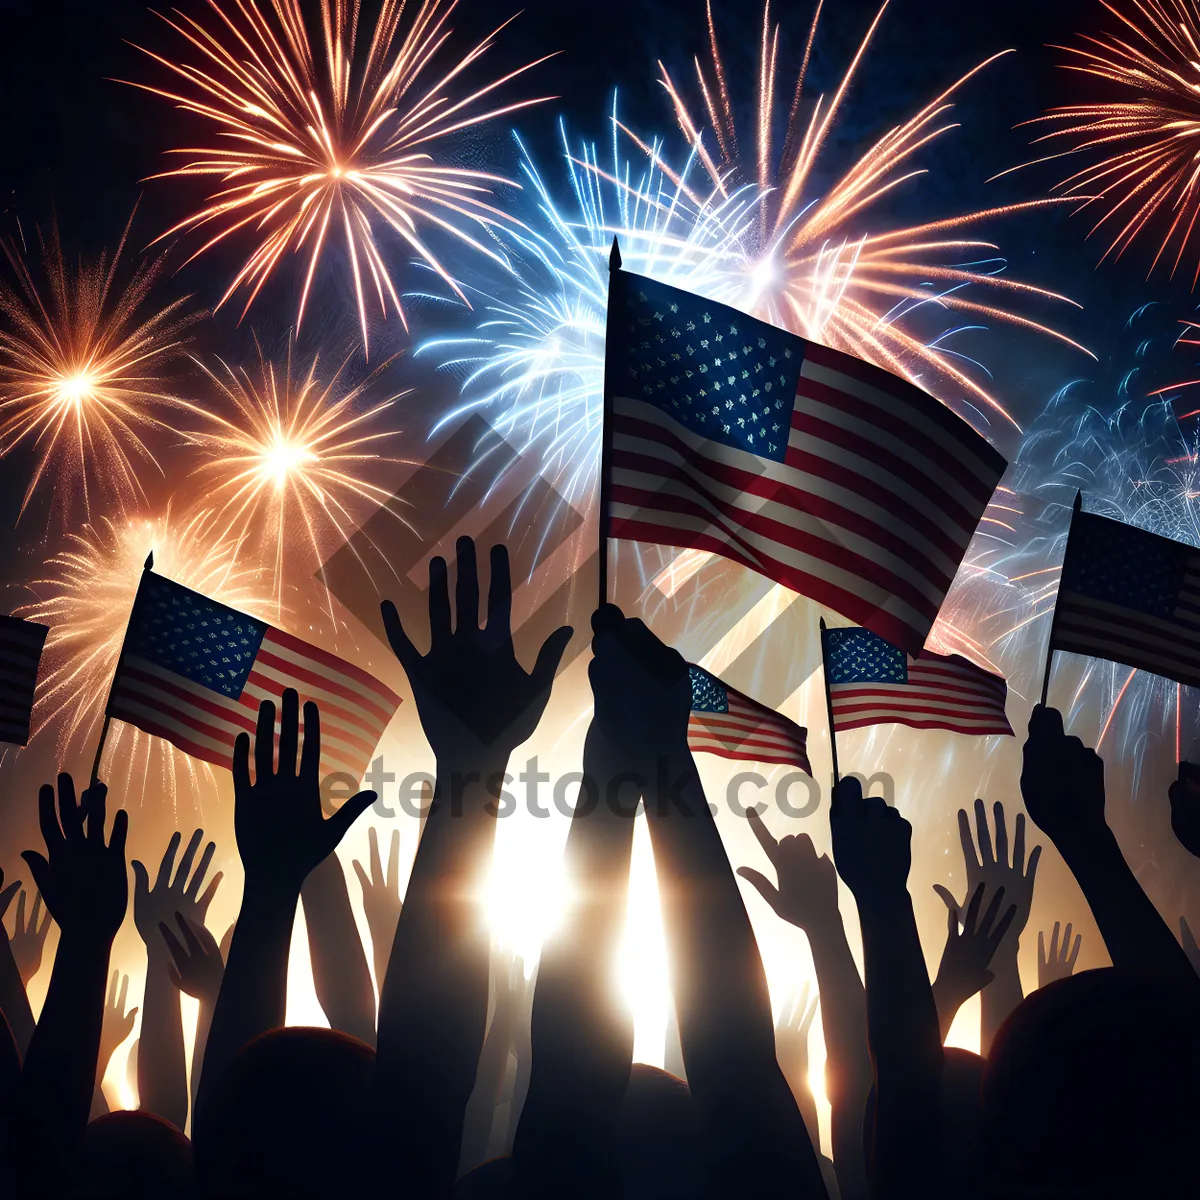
(1129, 596)
(194, 671)
(872, 682)
(21, 644)
(726, 723)
(827, 475)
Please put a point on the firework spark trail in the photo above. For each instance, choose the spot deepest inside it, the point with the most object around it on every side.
(815, 264)
(288, 470)
(84, 359)
(307, 143)
(86, 597)
(1146, 138)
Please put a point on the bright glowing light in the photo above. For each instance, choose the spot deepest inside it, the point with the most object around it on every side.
(332, 140)
(83, 370)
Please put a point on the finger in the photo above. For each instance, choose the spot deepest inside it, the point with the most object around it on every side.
(6, 899)
(70, 814)
(393, 867)
(967, 840)
(466, 589)
(373, 850)
(986, 857)
(52, 833)
(606, 619)
(264, 742)
(167, 863)
(761, 884)
(197, 878)
(1001, 833)
(289, 732)
(439, 603)
(363, 881)
(38, 911)
(1031, 867)
(39, 868)
(110, 996)
(182, 872)
(120, 832)
(951, 923)
(123, 995)
(340, 822)
(1018, 859)
(241, 763)
(1045, 723)
(189, 931)
(1043, 961)
(310, 756)
(399, 641)
(549, 656)
(499, 614)
(141, 880)
(174, 945)
(1001, 929)
(971, 924)
(1074, 949)
(989, 917)
(209, 892)
(174, 976)
(95, 806)
(763, 835)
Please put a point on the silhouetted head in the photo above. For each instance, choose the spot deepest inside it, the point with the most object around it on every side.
(134, 1154)
(1091, 1090)
(288, 1117)
(660, 1144)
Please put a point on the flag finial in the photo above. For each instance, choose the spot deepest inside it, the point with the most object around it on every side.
(614, 256)
(149, 563)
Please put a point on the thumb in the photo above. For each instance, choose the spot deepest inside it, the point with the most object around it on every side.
(400, 642)
(765, 888)
(39, 868)
(549, 656)
(339, 824)
(947, 899)
(141, 878)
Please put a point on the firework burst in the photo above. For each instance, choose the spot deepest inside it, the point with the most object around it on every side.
(825, 265)
(316, 142)
(83, 369)
(86, 597)
(290, 466)
(1145, 178)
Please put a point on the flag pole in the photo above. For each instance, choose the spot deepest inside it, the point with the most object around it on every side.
(829, 707)
(614, 267)
(1047, 670)
(148, 565)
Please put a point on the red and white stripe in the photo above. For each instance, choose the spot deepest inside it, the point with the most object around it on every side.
(870, 513)
(749, 731)
(944, 691)
(355, 708)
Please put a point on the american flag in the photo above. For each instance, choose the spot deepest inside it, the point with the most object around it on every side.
(194, 671)
(827, 475)
(872, 682)
(1130, 596)
(726, 723)
(21, 645)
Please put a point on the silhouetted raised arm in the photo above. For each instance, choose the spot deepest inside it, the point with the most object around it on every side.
(806, 896)
(871, 847)
(381, 900)
(116, 1027)
(281, 837)
(1062, 782)
(476, 703)
(162, 1063)
(14, 1002)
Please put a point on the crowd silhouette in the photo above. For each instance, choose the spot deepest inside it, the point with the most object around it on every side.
(470, 1081)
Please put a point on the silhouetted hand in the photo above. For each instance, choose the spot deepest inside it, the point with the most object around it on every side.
(155, 907)
(281, 834)
(7, 893)
(872, 843)
(993, 870)
(807, 894)
(81, 879)
(1062, 782)
(475, 700)
(118, 1023)
(967, 954)
(28, 938)
(1189, 944)
(791, 1042)
(640, 686)
(381, 898)
(1184, 794)
(1060, 962)
(197, 965)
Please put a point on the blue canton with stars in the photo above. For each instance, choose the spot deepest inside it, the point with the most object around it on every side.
(187, 633)
(716, 371)
(1119, 564)
(856, 655)
(708, 693)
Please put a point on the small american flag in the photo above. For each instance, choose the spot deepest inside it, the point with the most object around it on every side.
(194, 671)
(821, 472)
(1130, 596)
(872, 682)
(726, 723)
(21, 645)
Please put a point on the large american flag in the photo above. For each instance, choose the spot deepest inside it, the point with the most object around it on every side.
(726, 723)
(194, 671)
(21, 644)
(872, 682)
(1130, 596)
(824, 473)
